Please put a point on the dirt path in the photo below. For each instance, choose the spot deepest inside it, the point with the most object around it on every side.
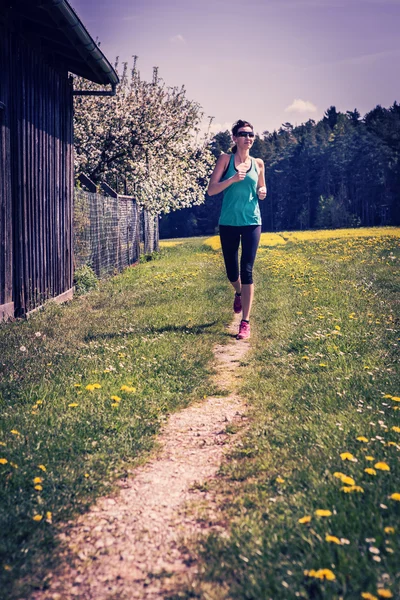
(132, 545)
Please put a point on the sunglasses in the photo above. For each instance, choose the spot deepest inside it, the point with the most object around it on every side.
(249, 134)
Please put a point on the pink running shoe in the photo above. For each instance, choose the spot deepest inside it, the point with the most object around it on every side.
(244, 331)
(237, 304)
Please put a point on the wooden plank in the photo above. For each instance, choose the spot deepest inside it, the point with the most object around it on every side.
(41, 155)
(87, 183)
(6, 311)
(60, 299)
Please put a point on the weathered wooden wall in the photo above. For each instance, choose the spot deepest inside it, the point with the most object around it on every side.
(36, 170)
(6, 269)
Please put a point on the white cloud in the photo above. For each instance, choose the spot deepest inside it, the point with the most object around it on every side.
(206, 129)
(217, 127)
(177, 39)
(301, 107)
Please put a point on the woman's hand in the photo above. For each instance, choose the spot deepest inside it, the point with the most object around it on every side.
(239, 175)
(262, 192)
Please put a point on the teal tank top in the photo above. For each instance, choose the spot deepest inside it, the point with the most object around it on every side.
(240, 204)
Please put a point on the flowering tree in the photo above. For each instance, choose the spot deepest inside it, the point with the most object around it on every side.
(144, 138)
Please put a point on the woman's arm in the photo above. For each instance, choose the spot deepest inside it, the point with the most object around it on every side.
(261, 186)
(216, 185)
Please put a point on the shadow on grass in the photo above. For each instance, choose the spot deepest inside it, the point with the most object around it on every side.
(197, 329)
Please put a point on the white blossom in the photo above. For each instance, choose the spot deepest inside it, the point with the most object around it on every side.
(146, 137)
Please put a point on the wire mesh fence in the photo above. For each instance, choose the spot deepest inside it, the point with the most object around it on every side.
(111, 233)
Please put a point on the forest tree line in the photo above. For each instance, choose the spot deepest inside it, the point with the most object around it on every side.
(343, 171)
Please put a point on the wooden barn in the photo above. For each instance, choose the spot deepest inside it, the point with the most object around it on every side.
(41, 43)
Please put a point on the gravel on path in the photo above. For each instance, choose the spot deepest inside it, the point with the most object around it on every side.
(132, 544)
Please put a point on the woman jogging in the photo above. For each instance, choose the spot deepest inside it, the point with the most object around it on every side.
(242, 180)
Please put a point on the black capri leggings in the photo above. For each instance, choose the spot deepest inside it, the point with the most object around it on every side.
(230, 240)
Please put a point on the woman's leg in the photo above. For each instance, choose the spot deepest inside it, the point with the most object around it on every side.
(247, 299)
(230, 240)
(250, 241)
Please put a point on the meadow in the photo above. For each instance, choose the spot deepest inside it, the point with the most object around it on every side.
(311, 492)
(84, 389)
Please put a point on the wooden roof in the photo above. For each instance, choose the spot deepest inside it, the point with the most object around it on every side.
(62, 37)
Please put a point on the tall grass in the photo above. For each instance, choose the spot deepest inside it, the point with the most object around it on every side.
(312, 492)
(84, 389)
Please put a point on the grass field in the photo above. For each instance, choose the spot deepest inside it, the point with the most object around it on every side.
(313, 490)
(84, 389)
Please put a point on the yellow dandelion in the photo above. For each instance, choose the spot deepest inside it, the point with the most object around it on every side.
(15, 432)
(38, 488)
(368, 596)
(127, 388)
(370, 458)
(396, 398)
(311, 573)
(14, 465)
(49, 516)
(389, 530)
(305, 519)
(116, 398)
(3, 461)
(323, 364)
(361, 438)
(280, 480)
(7, 568)
(370, 471)
(382, 466)
(42, 468)
(115, 404)
(337, 327)
(396, 429)
(348, 480)
(348, 456)
(73, 404)
(38, 480)
(352, 488)
(96, 386)
(395, 496)
(77, 385)
(391, 444)
(387, 396)
(305, 357)
(38, 518)
(321, 574)
(344, 478)
(382, 593)
(320, 512)
(86, 474)
(333, 539)
(90, 387)
(3, 444)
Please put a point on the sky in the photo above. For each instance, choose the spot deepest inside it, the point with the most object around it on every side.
(266, 61)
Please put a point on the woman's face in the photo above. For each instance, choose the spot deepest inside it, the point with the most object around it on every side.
(244, 138)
